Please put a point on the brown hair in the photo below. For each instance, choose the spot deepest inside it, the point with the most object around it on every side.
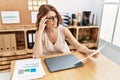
(43, 10)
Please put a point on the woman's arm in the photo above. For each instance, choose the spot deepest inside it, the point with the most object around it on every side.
(37, 49)
(81, 48)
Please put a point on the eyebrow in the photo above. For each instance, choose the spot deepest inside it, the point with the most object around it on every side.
(52, 16)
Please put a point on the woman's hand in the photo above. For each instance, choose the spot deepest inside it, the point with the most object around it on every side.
(96, 54)
(42, 23)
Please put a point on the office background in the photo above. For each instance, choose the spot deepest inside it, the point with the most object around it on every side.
(108, 17)
(106, 11)
(107, 14)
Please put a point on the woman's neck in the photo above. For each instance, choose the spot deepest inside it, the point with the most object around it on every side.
(51, 30)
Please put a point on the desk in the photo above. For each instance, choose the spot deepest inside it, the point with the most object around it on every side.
(100, 68)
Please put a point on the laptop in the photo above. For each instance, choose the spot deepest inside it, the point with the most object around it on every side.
(62, 62)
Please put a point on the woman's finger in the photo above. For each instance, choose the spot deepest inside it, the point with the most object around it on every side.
(96, 55)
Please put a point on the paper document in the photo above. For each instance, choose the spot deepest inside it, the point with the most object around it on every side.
(95, 52)
(28, 69)
(10, 17)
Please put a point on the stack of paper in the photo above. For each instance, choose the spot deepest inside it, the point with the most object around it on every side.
(28, 69)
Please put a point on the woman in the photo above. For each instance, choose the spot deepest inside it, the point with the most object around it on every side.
(50, 35)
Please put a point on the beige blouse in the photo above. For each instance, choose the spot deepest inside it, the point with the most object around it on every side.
(59, 46)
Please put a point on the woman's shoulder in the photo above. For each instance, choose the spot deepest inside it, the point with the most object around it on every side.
(62, 27)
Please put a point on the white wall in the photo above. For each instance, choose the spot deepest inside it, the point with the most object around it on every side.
(97, 7)
(76, 6)
(71, 6)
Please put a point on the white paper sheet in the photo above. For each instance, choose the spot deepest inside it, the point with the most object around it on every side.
(34, 16)
(10, 17)
(95, 52)
(28, 69)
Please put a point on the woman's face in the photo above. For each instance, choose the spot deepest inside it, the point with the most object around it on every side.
(51, 19)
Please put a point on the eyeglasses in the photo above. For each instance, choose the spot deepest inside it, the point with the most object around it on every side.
(52, 18)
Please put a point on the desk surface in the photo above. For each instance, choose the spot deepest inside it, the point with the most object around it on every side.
(100, 68)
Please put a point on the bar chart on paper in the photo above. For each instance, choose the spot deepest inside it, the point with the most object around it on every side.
(28, 69)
